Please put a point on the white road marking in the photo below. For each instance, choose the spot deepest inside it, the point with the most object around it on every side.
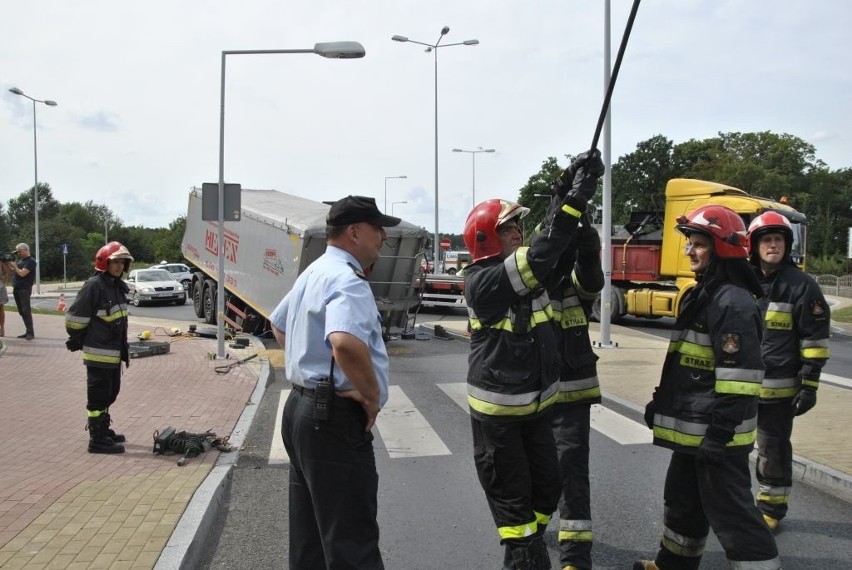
(277, 453)
(405, 431)
(618, 428)
(457, 392)
(840, 380)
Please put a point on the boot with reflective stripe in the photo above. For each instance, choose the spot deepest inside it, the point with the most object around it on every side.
(116, 437)
(99, 441)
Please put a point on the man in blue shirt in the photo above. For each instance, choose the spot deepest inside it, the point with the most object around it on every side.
(330, 330)
(22, 287)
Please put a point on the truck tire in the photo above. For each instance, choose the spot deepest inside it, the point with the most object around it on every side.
(198, 297)
(618, 306)
(209, 302)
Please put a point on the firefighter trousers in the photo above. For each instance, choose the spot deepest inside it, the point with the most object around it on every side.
(774, 469)
(571, 430)
(700, 495)
(102, 387)
(518, 469)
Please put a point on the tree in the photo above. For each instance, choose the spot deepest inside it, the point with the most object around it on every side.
(535, 195)
(167, 241)
(640, 178)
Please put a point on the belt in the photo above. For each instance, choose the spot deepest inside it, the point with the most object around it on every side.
(303, 391)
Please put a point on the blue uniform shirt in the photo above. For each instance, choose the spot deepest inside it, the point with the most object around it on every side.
(329, 297)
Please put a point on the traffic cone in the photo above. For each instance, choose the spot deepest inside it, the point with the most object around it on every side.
(60, 306)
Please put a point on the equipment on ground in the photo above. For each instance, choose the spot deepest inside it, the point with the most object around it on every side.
(189, 444)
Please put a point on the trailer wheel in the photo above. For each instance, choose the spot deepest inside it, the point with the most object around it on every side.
(198, 298)
(209, 302)
(617, 304)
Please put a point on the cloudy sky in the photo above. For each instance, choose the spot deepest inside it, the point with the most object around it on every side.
(137, 87)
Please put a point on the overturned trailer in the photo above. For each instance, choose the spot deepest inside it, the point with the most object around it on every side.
(277, 237)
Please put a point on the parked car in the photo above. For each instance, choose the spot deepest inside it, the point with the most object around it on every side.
(154, 285)
(180, 272)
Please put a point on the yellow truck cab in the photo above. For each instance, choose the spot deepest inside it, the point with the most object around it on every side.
(650, 270)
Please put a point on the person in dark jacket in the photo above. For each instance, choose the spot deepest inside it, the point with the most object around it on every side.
(795, 348)
(705, 408)
(24, 274)
(572, 297)
(514, 365)
(97, 324)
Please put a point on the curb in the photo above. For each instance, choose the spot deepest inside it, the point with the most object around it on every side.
(183, 549)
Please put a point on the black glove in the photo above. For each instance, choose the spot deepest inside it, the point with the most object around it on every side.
(587, 170)
(73, 344)
(712, 448)
(804, 400)
(588, 239)
(650, 410)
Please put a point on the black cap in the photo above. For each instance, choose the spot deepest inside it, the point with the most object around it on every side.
(357, 209)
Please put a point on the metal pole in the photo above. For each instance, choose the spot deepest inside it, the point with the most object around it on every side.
(435, 241)
(606, 222)
(386, 195)
(473, 191)
(35, 203)
(220, 244)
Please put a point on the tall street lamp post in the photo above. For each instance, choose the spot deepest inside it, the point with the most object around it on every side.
(333, 50)
(434, 49)
(386, 189)
(395, 203)
(473, 154)
(49, 103)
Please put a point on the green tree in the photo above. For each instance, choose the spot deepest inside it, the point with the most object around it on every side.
(639, 178)
(535, 194)
(167, 241)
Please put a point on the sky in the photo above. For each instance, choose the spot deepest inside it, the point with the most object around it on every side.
(138, 92)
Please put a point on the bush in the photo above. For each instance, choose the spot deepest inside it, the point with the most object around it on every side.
(828, 265)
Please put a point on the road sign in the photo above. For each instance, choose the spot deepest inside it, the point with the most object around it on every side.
(445, 244)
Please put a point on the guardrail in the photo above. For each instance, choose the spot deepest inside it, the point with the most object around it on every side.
(834, 285)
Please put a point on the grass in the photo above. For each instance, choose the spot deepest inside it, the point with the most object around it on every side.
(842, 315)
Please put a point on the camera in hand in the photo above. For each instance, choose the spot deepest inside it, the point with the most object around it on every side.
(6, 257)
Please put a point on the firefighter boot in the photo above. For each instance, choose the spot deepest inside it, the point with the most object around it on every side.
(116, 437)
(541, 557)
(645, 565)
(99, 441)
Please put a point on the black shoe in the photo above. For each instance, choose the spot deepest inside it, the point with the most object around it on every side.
(22, 335)
(104, 445)
(29, 336)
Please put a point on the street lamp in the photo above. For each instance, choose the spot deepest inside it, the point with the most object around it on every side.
(49, 103)
(386, 189)
(333, 50)
(395, 203)
(434, 49)
(473, 154)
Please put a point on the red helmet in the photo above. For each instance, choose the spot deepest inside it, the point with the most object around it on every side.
(770, 222)
(112, 250)
(480, 229)
(723, 225)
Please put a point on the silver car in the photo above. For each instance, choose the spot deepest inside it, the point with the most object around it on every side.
(154, 285)
(180, 272)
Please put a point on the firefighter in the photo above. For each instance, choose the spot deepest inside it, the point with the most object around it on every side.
(705, 407)
(513, 363)
(571, 299)
(97, 324)
(795, 348)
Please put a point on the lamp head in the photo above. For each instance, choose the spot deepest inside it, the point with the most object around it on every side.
(445, 30)
(340, 50)
(489, 150)
(50, 103)
(16, 91)
(399, 39)
(471, 42)
(457, 150)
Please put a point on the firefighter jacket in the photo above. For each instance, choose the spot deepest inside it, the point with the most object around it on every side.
(571, 300)
(97, 322)
(712, 373)
(513, 367)
(795, 339)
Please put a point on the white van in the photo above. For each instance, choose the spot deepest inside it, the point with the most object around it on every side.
(455, 261)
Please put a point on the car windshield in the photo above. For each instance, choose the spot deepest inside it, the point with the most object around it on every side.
(154, 275)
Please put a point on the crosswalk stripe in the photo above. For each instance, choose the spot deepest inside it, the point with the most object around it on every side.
(405, 431)
(457, 392)
(618, 428)
(277, 453)
(845, 382)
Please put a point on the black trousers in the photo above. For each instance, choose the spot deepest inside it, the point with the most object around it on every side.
(22, 302)
(774, 468)
(571, 429)
(700, 495)
(518, 469)
(333, 486)
(102, 387)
